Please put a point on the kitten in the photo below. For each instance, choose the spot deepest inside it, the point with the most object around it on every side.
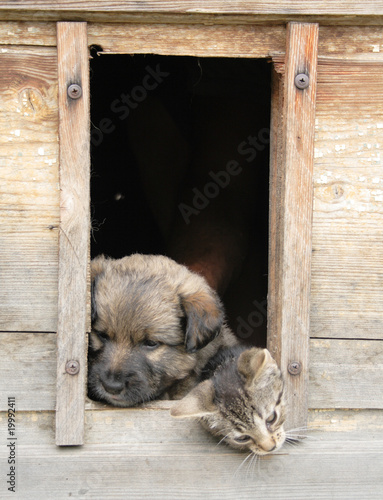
(240, 398)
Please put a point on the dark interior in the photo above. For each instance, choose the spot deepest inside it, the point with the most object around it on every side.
(134, 98)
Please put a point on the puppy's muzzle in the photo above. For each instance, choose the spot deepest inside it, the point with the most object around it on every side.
(114, 383)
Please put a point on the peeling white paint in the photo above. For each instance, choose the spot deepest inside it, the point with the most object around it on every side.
(318, 153)
(3, 51)
(322, 179)
(339, 147)
(376, 180)
(362, 178)
(375, 48)
(41, 151)
(50, 161)
(379, 125)
(17, 133)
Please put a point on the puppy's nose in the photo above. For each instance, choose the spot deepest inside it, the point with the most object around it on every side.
(112, 382)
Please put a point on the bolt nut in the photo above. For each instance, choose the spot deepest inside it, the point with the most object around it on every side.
(302, 81)
(294, 368)
(72, 367)
(74, 91)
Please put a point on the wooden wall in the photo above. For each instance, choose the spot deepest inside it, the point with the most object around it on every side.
(347, 281)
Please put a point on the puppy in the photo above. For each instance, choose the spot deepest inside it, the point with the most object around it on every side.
(155, 324)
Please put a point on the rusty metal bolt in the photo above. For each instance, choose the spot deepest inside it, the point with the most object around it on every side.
(72, 367)
(294, 368)
(302, 81)
(74, 91)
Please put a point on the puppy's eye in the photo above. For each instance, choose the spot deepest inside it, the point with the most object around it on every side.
(150, 344)
(242, 439)
(272, 418)
(102, 336)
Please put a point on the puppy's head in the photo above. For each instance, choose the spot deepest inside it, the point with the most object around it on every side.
(150, 317)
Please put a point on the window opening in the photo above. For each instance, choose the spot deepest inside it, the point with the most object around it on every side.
(180, 155)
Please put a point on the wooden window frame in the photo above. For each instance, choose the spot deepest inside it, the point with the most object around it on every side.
(291, 193)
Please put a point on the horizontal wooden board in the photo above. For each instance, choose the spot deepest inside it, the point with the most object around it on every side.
(28, 33)
(346, 11)
(189, 39)
(345, 42)
(28, 370)
(29, 201)
(346, 374)
(148, 454)
(343, 373)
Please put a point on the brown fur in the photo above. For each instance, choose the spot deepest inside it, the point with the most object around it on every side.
(154, 326)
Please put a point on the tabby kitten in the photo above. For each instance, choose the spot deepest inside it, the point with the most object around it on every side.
(240, 398)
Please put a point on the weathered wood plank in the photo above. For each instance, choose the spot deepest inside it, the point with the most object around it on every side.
(129, 452)
(29, 201)
(347, 282)
(189, 39)
(73, 292)
(289, 282)
(28, 33)
(346, 374)
(344, 11)
(28, 370)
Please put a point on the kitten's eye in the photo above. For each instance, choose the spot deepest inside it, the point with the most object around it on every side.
(242, 439)
(150, 344)
(272, 418)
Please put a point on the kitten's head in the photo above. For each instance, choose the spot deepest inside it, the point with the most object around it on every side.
(243, 402)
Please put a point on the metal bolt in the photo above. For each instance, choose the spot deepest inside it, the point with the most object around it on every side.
(74, 91)
(302, 81)
(294, 368)
(72, 367)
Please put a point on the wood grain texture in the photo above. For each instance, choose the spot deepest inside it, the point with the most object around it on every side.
(189, 39)
(289, 282)
(28, 370)
(29, 195)
(73, 292)
(28, 33)
(128, 455)
(347, 263)
(216, 11)
(346, 374)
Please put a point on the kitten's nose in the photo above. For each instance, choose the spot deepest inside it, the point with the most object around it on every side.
(268, 445)
(112, 382)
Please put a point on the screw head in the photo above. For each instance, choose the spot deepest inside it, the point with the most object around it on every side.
(72, 367)
(302, 81)
(294, 368)
(74, 91)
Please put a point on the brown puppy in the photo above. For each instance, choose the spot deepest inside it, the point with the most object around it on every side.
(155, 324)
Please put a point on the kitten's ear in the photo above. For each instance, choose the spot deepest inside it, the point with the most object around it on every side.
(204, 318)
(253, 362)
(198, 403)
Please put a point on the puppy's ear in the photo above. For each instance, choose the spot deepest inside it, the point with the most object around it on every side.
(204, 318)
(96, 268)
(199, 402)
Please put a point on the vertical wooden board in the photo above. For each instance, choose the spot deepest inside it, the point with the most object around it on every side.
(73, 68)
(29, 195)
(290, 282)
